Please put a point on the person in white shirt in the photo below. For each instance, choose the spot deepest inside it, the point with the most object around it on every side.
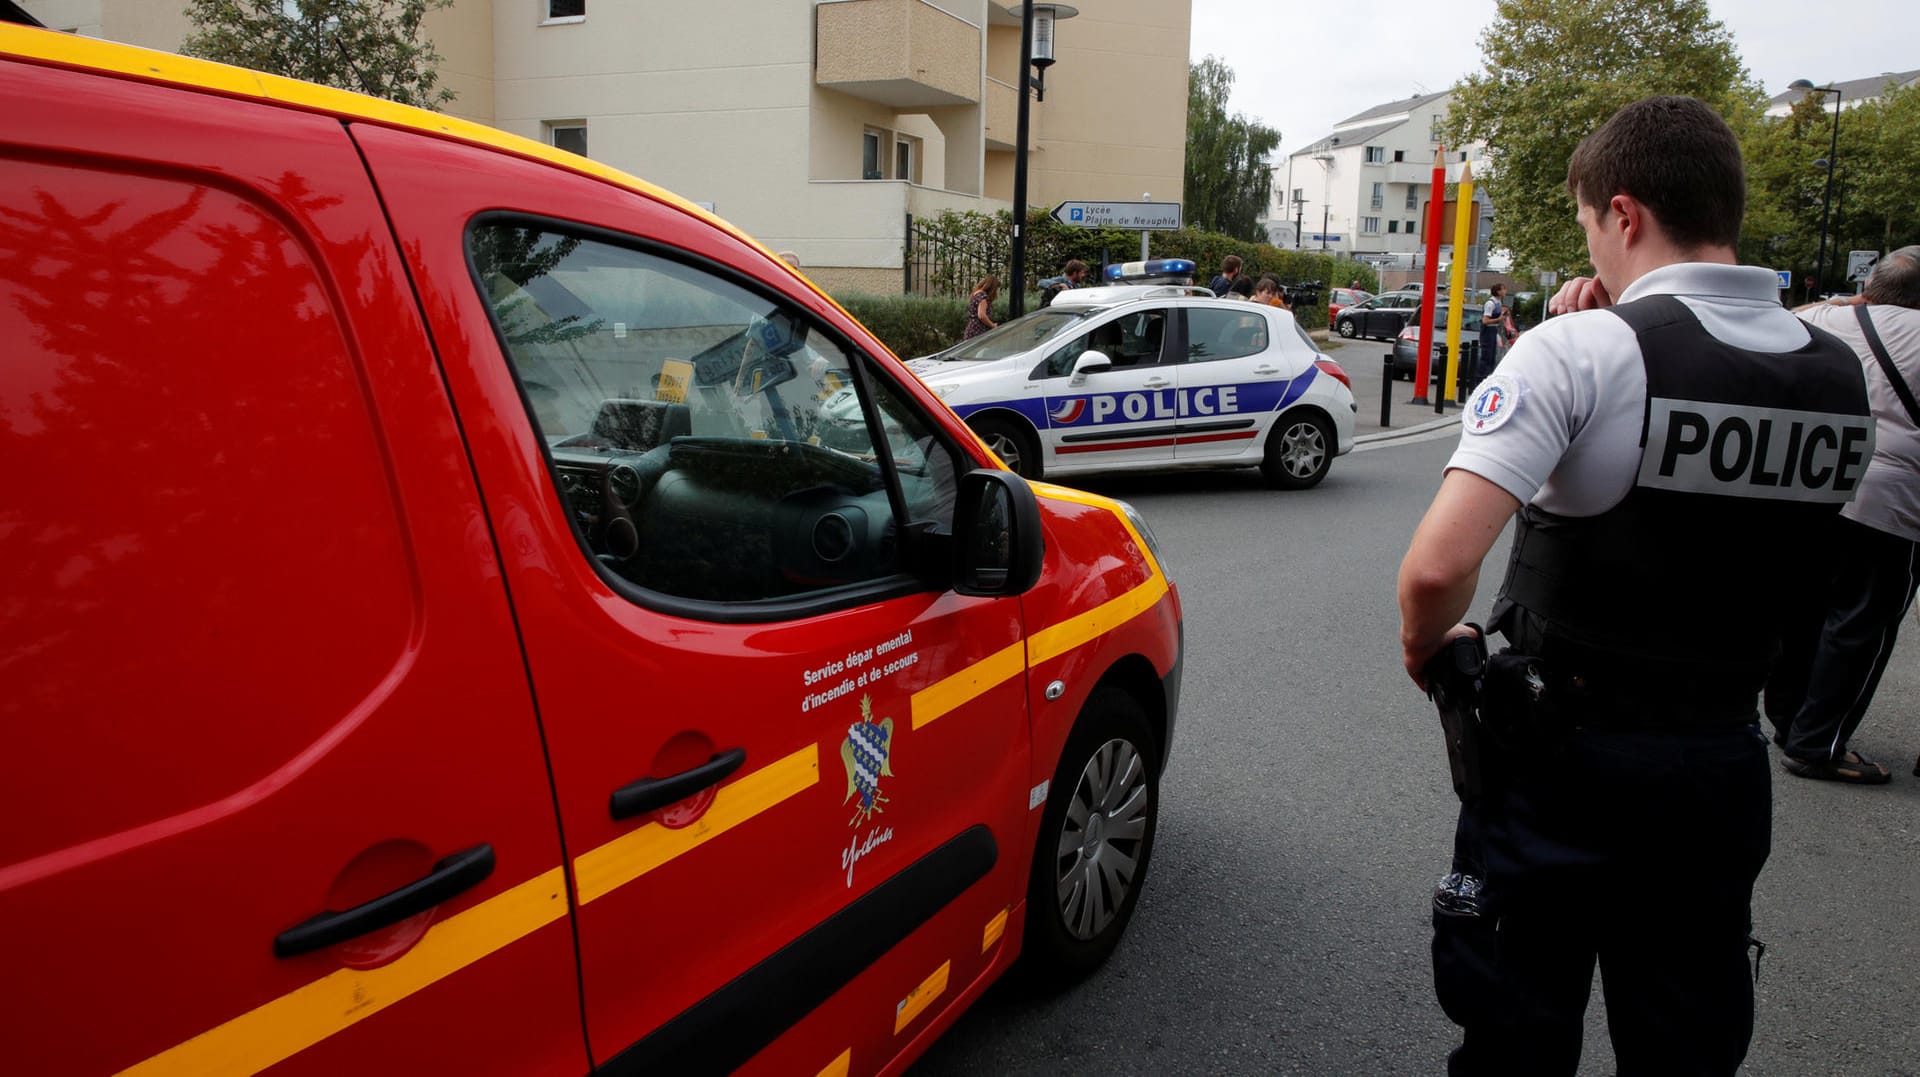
(1830, 668)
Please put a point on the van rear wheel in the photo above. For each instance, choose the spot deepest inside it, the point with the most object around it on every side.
(1096, 839)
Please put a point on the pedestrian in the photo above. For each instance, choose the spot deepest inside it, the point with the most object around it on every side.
(1229, 269)
(1270, 292)
(1241, 288)
(1493, 318)
(1624, 814)
(1070, 276)
(980, 307)
(1828, 670)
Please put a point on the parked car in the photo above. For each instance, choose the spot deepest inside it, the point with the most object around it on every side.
(1341, 299)
(1379, 318)
(1406, 344)
(451, 631)
(1150, 377)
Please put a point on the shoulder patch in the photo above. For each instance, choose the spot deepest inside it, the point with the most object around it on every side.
(1493, 404)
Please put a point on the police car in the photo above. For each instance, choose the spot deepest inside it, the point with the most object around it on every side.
(1146, 376)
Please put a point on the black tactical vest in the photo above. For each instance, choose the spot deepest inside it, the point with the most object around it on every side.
(1676, 592)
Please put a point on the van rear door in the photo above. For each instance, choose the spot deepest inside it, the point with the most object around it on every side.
(260, 669)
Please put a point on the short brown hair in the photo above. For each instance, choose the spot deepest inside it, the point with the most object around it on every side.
(1231, 264)
(1074, 265)
(1673, 155)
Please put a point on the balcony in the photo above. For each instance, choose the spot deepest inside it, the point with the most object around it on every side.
(1003, 115)
(905, 54)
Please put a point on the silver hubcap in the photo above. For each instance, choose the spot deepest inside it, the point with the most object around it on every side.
(1301, 450)
(1100, 839)
(1346, 329)
(1007, 448)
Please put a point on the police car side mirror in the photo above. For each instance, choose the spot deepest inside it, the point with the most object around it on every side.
(1089, 362)
(997, 545)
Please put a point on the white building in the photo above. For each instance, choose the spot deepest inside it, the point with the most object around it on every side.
(1852, 92)
(816, 126)
(1364, 190)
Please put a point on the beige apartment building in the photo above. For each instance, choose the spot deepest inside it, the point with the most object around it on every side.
(817, 126)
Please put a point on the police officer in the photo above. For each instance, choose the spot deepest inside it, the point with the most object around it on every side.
(1662, 453)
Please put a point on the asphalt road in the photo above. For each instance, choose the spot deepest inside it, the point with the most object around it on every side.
(1307, 813)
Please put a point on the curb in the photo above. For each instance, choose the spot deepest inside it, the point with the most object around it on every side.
(1407, 432)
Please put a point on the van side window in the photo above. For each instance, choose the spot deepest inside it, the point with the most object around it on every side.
(705, 442)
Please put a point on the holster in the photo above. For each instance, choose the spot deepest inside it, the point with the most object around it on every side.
(1455, 681)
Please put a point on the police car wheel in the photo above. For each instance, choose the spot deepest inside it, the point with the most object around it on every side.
(1346, 328)
(1299, 451)
(1015, 447)
(1096, 839)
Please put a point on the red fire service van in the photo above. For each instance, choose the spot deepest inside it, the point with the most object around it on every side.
(469, 611)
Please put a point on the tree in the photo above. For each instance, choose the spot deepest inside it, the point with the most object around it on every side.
(372, 46)
(1554, 71)
(1228, 179)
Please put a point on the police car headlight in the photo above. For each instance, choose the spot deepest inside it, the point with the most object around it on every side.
(1139, 523)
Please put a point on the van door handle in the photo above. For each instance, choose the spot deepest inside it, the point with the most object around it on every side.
(449, 877)
(643, 796)
(1157, 383)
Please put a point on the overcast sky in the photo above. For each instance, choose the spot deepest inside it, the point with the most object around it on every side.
(1302, 68)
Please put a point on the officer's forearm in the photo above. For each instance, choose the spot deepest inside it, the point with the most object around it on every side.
(1431, 604)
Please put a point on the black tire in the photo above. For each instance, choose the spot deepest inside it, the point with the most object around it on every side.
(1300, 450)
(1080, 900)
(1346, 328)
(1012, 442)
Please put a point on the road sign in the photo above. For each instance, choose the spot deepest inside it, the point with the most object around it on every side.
(1318, 237)
(1786, 278)
(1549, 278)
(1860, 264)
(1133, 216)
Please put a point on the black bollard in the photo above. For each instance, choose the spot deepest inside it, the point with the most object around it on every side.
(1386, 389)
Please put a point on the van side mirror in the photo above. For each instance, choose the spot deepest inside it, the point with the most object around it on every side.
(997, 545)
(1088, 362)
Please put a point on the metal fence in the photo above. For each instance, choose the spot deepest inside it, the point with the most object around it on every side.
(940, 261)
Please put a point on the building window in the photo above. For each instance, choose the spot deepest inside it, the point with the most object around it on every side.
(1399, 156)
(563, 10)
(1409, 227)
(1463, 156)
(1299, 194)
(1412, 197)
(904, 160)
(1376, 155)
(870, 160)
(569, 135)
(1433, 132)
(1393, 227)
(1370, 225)
(1379, 195)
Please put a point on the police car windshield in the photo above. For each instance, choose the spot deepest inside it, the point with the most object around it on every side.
(1013, 338)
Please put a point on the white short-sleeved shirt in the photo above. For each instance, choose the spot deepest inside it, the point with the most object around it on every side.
(1558, 425)
(1889, 497)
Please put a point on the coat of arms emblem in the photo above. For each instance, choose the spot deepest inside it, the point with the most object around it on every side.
(867, 752)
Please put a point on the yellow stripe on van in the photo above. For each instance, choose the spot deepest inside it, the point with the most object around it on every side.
(921, 997)
(299, 1019)
(1059, 639)
(948, 695)
(599, 872)
(839, 1066)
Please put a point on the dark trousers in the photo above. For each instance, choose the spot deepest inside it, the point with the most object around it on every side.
(1833, 655)
(1633, 850)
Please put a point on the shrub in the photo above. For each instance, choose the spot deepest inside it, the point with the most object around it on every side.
(911, 325)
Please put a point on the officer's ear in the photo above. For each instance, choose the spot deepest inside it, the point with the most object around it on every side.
(1630, 218)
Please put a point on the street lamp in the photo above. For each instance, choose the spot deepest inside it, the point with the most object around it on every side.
(1299, 218)
(1036, 51)
(1833, 158)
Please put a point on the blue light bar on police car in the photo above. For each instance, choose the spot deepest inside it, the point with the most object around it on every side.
(1169, 270)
